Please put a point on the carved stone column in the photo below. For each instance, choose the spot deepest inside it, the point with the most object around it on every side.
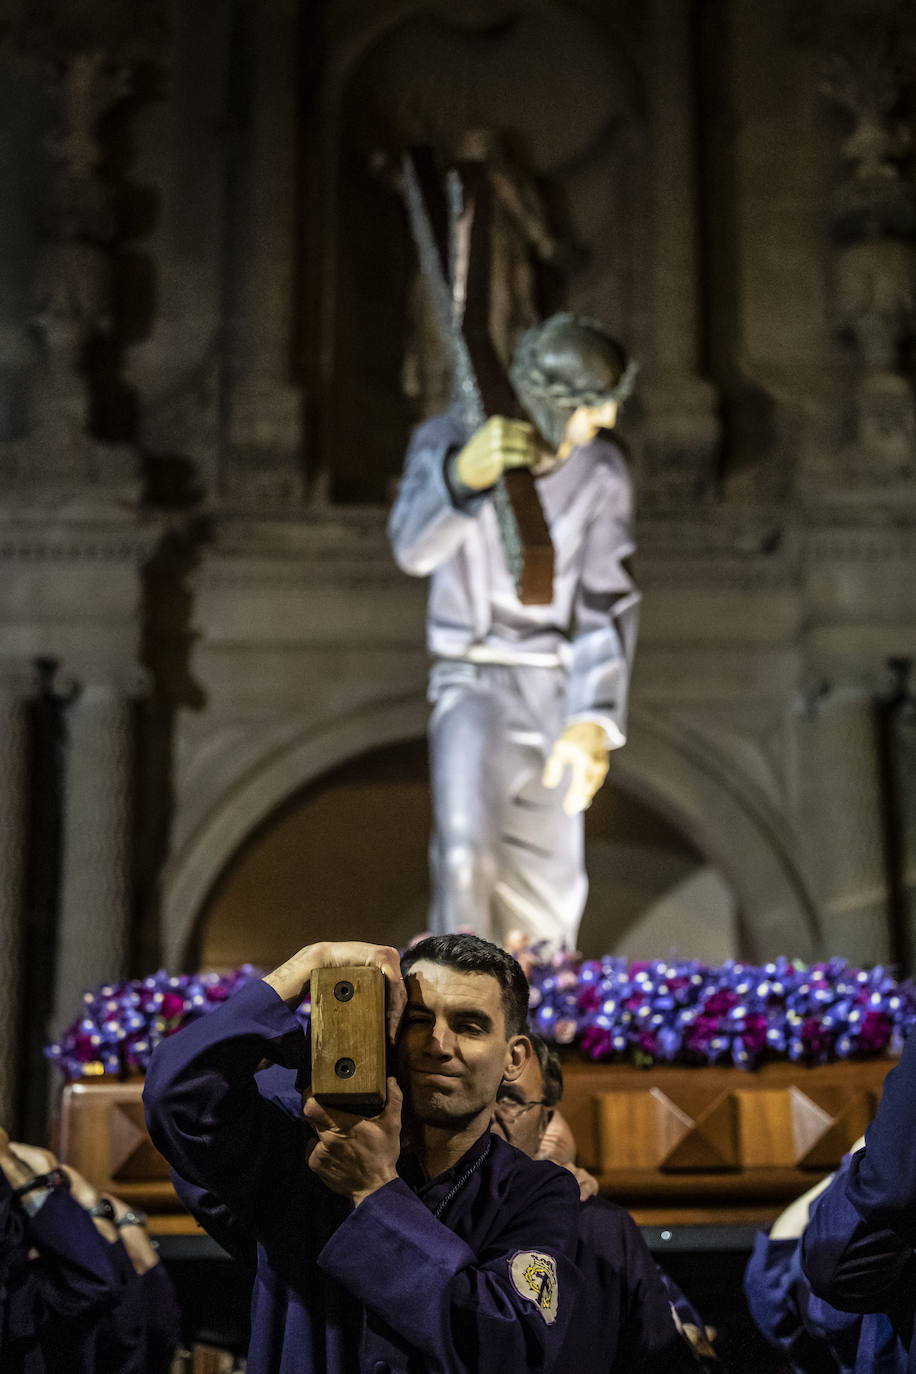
(865, 72)
(183, 153)
(265, 427)
(14, 689)
(89, 56)
(95, 898)
(683, 430)
(840, 818)
(21, 111)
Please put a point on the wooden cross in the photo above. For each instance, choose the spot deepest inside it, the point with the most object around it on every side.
(460, 292)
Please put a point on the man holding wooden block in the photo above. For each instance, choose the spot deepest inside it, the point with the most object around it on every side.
(524, 695)
(411, 1240)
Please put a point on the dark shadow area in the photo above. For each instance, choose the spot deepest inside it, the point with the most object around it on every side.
(167, 644)
(345, 857)
(47, 746)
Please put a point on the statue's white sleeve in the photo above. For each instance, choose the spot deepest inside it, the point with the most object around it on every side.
(428, 522)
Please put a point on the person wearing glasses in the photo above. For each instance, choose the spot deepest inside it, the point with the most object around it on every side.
(627, 1308)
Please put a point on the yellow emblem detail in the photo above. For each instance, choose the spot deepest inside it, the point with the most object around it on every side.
(539, 1283)
(534, 1277)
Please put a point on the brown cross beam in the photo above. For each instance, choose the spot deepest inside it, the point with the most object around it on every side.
(461, 298)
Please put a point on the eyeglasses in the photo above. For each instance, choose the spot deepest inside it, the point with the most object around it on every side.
(510, 1109)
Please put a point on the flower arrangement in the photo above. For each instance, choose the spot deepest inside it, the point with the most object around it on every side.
(121, 1024)
(689, 1013)
(644, 1013)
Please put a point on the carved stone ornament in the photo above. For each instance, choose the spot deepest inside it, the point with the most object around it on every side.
(678, 467)
(88, 54)
(876, 296)
(866, 86)
(887, 427)
(868, 71)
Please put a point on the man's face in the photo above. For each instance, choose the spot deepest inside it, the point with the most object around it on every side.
(521, 1118)
(453, 1050)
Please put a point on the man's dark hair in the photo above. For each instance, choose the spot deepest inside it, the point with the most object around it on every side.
(549, 1065)
(471, 954)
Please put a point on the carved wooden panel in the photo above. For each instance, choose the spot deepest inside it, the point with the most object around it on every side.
(103, 1135)
(676, 1145)
(717, 1136)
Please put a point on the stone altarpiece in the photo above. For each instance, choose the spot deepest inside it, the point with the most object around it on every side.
(205, 311)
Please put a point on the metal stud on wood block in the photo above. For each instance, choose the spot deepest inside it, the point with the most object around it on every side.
(349, 1039)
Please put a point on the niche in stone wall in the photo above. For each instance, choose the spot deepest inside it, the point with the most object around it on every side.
(566, 142)
(346, 857)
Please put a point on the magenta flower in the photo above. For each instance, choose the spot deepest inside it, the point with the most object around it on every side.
(720, 1003)
(172, 1005)
(648, 1011)
(597, 1042)
(875, 1032)
(816, 1041)
(754, 1035)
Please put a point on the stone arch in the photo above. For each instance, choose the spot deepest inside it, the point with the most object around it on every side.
(192, 871)
(718, 809)
(727, 817)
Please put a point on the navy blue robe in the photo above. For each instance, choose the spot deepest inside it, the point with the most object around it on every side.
(812, 1335)
(857, 1249)
(50, 1305)
(143, 1332)
(624, 1312)
(426, 1274)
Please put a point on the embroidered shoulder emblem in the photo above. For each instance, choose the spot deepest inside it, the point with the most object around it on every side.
(534, 1277)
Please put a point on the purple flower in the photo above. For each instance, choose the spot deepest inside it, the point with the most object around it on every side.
(669, 1042)
(588, 999)
(84, 1051)
(875, 1031)
(701, 1031)
(597, 1043)
(676, 1011)
(721, 1002)
(754, 1035)
(815, 1040)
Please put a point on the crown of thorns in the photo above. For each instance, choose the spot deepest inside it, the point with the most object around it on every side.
(529, 373)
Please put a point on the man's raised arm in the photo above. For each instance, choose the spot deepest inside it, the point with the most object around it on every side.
(881, 1184)
(857, 1250)
(204, 1111)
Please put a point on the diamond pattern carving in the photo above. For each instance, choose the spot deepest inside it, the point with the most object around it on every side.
(711, 1144)
(810, 1123)
(694, 1128)
(689, 1144)
(638, 1130)
(132, 1154)
(847, 1124)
